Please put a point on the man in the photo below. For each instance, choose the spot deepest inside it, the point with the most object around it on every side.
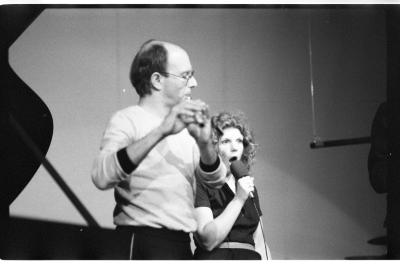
(379, 156)
(152, 152)
(379, 153)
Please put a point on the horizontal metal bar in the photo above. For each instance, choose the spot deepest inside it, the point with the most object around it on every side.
(340, 142)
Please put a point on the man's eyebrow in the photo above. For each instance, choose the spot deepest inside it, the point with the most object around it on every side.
(187, 72)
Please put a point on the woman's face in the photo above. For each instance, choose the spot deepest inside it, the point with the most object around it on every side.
(230, 145)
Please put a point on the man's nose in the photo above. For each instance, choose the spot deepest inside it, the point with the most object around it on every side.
(192, 83)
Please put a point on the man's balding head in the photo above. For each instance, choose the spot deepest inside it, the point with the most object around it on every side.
(151, 57)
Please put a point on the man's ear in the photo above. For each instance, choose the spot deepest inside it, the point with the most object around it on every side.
(156, 81)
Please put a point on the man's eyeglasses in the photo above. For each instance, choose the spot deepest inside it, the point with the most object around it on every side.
(187, 76)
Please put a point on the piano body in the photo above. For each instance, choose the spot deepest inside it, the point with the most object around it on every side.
(26, 129)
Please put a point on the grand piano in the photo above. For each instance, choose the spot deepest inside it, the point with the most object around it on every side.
(26, 129)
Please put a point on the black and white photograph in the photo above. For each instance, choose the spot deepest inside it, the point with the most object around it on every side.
(200, 132)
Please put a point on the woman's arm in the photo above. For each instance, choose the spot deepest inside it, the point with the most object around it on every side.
(211, 232)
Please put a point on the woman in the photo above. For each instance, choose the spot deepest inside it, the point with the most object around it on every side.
(229, 222)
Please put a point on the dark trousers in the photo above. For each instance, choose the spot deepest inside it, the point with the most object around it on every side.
(158, 244)
(226, 254)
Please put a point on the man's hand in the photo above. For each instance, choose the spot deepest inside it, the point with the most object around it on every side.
(200, 128)
(182, 115)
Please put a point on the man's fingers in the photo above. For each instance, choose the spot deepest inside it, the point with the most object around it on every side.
(187, 118)
(195, 105)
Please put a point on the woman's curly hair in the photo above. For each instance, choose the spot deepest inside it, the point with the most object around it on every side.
(225, 120)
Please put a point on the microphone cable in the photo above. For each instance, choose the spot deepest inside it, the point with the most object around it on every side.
(262, 228)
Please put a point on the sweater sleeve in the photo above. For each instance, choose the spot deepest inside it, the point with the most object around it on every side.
(214, 178)
(107, 170)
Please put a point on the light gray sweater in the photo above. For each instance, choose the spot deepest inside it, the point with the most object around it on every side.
(160, 191)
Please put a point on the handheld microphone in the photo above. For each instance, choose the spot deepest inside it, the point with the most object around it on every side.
(239, 170)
